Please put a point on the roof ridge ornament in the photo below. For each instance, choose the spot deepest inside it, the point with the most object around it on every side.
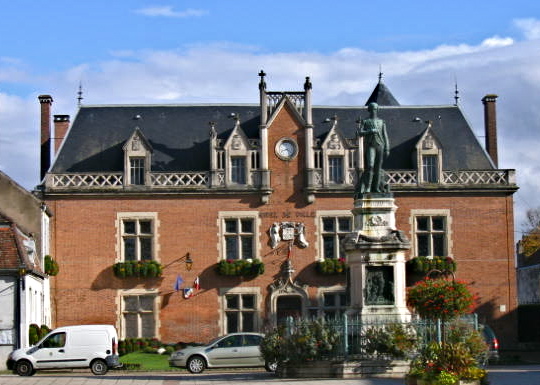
(262, 83)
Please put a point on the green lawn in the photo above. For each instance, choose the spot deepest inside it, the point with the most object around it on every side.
(147, 361)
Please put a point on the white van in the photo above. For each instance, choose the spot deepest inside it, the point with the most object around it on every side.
(83, 346)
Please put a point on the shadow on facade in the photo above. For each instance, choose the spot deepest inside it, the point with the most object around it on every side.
(106, 280)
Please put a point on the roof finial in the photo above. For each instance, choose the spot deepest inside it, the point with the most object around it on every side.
(456, 93)
(79, 95)
(262, 83)
(380, 73)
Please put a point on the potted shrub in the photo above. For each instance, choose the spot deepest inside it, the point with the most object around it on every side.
(331, 266)
(240, 267)
(141, 269)
(51, 266)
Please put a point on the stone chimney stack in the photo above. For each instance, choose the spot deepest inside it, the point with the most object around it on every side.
(46, 103)
(490, 122)
(61, 126)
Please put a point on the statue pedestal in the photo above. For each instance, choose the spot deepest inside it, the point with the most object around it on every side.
(375, 253)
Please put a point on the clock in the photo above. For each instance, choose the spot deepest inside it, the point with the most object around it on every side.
(286, 149)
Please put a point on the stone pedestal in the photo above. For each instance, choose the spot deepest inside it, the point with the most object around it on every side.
(375, 253)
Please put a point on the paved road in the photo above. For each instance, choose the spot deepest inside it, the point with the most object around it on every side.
(511, 375)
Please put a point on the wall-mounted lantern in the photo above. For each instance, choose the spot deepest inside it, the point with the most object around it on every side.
(189, 262)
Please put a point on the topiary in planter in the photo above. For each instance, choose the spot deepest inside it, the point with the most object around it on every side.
(51, 266)
(141, 269)
(240, 267)
(331, 266)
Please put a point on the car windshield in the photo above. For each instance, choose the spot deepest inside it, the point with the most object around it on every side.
(213, 341)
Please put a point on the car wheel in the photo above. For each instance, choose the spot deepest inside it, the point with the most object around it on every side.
(24, 368)
(99, 367)
(270, 366)
(196, 364)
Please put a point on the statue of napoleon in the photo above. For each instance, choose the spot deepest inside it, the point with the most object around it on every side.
(376, 148)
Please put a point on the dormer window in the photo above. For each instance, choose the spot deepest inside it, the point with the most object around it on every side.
(238, 169)
(429, 157)
(335, 169)
(430, 169)
(136, 171)
(137, 159)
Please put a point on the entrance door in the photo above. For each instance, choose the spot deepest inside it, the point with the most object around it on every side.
(288, 306)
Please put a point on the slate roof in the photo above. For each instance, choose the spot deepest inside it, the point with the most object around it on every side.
(382, 96)
(179, 134)
(12, 252)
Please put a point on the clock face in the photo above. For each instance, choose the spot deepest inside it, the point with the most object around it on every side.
(286, 149)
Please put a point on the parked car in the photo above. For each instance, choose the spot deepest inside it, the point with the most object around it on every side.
(82, 346)
(491, 339)
(229, 351)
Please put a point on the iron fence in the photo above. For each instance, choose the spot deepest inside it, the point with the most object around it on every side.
(361, 339)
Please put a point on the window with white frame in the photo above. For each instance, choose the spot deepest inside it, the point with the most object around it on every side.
(139, 315)
(335, 169)
(238, 169)
(430, 169)
(136, 171)
(239, 237)
(333, 229)
(137, 236)
(241, 312)
(431, 235)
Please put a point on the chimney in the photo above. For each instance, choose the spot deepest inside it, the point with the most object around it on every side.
(61, 125)
(490, 122)
(46, 102)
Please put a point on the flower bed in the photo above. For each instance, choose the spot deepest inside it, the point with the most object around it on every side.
(332, 266)
(144, 269)
(240, 267)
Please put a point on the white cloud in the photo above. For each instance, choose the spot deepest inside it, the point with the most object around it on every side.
(497, 41)
(227, 73)
(529, 27)
(168, 11)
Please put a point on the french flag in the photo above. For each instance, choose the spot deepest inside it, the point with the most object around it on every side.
(196, 284)
(188, 293)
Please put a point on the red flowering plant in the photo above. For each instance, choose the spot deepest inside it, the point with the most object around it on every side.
(440, 298)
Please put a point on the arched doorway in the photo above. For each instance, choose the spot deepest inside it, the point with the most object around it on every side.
(288, 306)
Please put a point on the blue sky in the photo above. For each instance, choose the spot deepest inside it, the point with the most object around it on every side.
(211, 51)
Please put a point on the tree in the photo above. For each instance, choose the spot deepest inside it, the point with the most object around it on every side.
(530, 242)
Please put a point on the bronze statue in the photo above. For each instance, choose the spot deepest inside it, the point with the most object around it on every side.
(376, 148)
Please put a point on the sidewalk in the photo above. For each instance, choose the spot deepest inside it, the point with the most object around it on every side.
(154, 378)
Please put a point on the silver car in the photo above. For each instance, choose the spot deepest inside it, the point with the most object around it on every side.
(230, 351)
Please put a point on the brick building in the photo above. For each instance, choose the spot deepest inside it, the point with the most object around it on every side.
(272, 182)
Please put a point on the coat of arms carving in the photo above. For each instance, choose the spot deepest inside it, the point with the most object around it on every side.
(288, 231)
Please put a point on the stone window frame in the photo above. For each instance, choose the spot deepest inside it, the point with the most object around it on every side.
(319, 229)
(223, 215)
(428, 145)
(337, 290)
(431, 213)
(121, 327)
(222, 306)
(137, 170)
(137, 216)
(134, 148)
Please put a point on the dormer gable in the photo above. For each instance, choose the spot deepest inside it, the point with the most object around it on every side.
(237, 143)
(335, 142)
(295, 106)
(137, 159)
(137, 144)
(428, 156)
